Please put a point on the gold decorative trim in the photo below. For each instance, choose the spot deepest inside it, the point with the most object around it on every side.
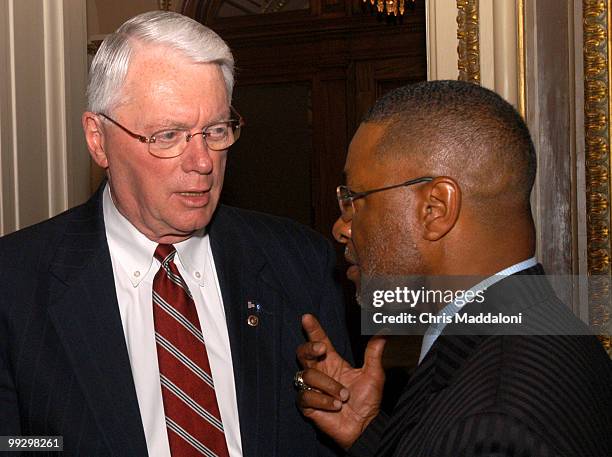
(468, 48)
(597, 109)
(520, 34)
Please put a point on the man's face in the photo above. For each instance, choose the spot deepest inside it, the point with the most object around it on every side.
(166, 199)
(380, 237)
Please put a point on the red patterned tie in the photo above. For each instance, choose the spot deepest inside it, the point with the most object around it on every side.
(190, 404)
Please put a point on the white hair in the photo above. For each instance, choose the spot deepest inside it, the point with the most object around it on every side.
(157, 28)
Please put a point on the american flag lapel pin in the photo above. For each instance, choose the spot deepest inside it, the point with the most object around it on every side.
(253, 318)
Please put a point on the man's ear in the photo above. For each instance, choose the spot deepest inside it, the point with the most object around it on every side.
(94, 136)
(440, 208)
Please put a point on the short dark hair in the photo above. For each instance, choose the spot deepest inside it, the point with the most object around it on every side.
(461, 130)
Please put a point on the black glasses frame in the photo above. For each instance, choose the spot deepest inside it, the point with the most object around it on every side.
(344, 194)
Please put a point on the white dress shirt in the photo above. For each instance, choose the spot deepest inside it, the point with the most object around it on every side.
(134, 268)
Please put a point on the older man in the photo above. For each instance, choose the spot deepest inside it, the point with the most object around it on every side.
(439, 177)
(150, 320)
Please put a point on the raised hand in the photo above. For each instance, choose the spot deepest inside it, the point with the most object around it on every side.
(343, 399)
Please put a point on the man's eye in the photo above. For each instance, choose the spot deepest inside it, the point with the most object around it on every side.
(167, 136)
(216, 131)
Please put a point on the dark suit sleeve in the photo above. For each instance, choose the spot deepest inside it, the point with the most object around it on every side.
(367, 444)
(489, 435)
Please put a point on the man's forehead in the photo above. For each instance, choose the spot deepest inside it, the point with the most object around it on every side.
(362, 150)
(154, 63)
(171, 81)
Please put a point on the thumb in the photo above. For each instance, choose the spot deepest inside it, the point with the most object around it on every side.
(372, 359)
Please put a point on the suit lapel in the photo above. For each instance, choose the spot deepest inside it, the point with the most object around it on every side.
(83, 308)
(251, 305)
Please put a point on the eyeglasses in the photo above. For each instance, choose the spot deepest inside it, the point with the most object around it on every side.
(346, 196)
(170, 143)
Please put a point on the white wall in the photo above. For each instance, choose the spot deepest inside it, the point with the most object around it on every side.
(498, 31)
(43, 68)
(441, 39)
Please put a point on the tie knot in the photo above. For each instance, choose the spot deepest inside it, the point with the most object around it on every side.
(164, 252)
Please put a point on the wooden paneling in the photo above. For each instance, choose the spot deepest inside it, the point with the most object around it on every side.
(348, 56)
(273, 175)
(331, 137)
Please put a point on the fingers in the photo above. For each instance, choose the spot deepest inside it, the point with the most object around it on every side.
(309, 353)
(311, 400)
(315, 332)
(372, 359)
(326, 394)
(325, 384)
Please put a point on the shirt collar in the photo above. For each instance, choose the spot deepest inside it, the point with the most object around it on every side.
(130, 247)
(452, 307)
(435, 329)
(135, 251)
(517, 267)
(193, 253)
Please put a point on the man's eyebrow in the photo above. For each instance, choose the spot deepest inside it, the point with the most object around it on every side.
(216, 121)
(166, 124)
(225, 117)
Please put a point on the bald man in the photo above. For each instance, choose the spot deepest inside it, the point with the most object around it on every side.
(439, 177)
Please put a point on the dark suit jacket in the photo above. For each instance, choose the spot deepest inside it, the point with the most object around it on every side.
(64, 367)
(501, 395)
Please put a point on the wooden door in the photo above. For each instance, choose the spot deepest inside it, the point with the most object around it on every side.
(306, 75)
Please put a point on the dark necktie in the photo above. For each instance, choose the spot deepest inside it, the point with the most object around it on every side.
(192, 415)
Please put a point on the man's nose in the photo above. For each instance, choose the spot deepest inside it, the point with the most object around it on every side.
(342, 231)
(198, 155)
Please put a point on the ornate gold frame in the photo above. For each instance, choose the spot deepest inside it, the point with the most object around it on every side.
(597, 19)
(597, 110)
(522, 65)
(468, 48)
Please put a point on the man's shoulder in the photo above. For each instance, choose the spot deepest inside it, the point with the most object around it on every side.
(35, 241)
(571, 359)
(537, 381)
(521, 375)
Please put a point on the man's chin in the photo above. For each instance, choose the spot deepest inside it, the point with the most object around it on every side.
(195, 219)
(353, 273)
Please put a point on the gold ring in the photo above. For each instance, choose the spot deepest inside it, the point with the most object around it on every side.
(298, 381)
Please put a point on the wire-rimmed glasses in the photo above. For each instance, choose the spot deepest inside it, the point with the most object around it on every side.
(170, 143)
